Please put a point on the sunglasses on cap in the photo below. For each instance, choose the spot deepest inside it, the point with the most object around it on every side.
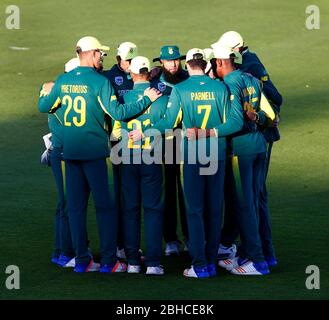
(103, 53)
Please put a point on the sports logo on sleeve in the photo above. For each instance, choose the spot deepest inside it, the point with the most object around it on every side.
(162, 86)
(118, 80)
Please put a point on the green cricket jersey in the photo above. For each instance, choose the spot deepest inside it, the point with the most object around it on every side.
(85, 96)
(199, 102)
(245, 95)
(152, 114)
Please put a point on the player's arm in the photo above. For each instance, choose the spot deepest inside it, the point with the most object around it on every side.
(173, 115)
(110, 105)
(233, 106)
(49, 100)
(171, 119)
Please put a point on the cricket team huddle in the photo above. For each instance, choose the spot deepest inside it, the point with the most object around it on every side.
(222, 110)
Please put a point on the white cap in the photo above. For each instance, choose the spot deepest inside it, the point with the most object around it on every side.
(127, 51)
(71, 64)
(194, 54)
(230, 39)
(139, 63)
(208, 54)
(91, 43)
(223, 52)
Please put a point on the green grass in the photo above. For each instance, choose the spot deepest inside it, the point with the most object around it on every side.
(299, 175)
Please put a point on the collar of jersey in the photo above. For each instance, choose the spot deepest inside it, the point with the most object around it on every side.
(141, 84)
(198, 76)
(82, 69)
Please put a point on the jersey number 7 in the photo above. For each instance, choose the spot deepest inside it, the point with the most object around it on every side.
(207, 109)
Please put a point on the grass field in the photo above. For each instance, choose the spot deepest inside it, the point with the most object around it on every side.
(299, 177)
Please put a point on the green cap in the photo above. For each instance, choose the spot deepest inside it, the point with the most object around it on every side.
(169, 53)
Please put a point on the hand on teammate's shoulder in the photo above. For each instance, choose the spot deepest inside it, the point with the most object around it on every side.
(152, 93)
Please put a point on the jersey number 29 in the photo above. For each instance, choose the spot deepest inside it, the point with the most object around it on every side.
(79, 108)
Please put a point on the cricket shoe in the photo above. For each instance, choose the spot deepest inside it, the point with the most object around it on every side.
(70, 264)
(226, 252)
(230, 264)
(271, 261)
(172, 248)
(64, 260)
(252, 269)
(155, 271)
(133, 268)
(83, 267)
(196, 272)
(113, 268)
(212, 270)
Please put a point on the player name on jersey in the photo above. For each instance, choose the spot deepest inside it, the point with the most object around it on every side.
(74, 88)
(196, 96)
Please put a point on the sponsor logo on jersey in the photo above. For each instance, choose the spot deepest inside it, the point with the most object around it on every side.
(162, 86)
(118, 80)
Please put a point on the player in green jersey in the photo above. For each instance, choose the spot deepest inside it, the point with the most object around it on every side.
(199, 102)
(251, 64)
(247, 160)
(85, 96)
(142, 182)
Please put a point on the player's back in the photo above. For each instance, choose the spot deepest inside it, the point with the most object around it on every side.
(245, 93)
(141, 121)
(204, 104)
(85, 136)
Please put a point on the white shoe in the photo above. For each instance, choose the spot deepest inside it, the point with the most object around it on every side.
(156, 271)
(172, 248)
(226, 252)
(195, 272)
(70, 264)
(251, 269)
(121, 254)
(134, 268)
(230, 264)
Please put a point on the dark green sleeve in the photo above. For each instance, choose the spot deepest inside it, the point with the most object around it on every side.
(110, 105)
(233, 108)
(172, 117)
(49, 102)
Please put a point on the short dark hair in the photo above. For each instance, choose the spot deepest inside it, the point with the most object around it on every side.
(144, 71)
(197, 64)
